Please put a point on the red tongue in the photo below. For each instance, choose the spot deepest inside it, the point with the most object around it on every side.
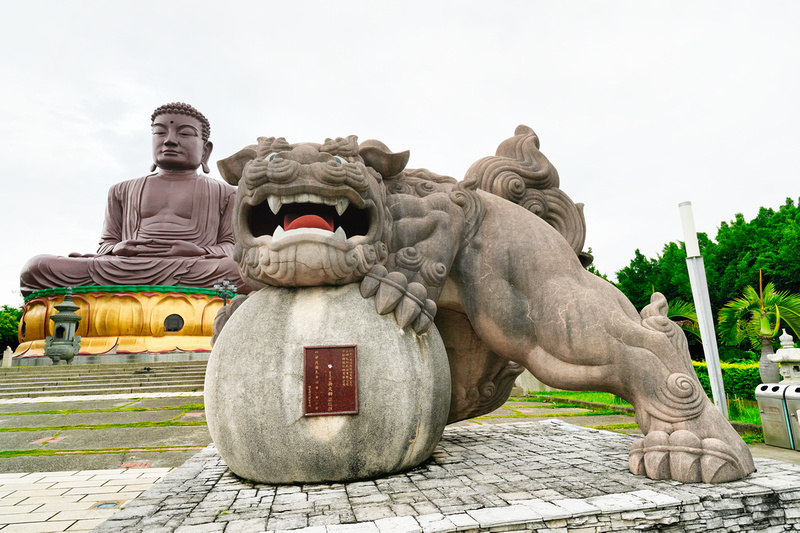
(307, 221)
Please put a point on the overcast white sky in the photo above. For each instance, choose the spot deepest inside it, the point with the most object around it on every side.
(639, 105)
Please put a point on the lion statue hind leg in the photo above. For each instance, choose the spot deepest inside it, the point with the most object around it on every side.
(686, 438)
(530, 301)
(672, 447)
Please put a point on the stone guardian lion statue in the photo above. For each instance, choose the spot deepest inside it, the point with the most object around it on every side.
(495, 262)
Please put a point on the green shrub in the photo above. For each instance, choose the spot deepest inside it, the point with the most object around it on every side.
(732, 354)
(741, 379)
(9, 322)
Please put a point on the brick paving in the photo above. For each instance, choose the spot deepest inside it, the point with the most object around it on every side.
(527, 476)
(68, 501)
(439, 500)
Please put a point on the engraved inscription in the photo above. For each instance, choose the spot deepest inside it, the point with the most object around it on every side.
(330, 380)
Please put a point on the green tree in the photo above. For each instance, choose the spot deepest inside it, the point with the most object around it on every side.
(637, 280)
(754, 319)
(666, 274)
(9, 323)
(672, 275)
(770, 243)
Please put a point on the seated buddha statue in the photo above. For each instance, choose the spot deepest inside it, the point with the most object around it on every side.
(171, 227)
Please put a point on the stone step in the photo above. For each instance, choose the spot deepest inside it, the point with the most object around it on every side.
(91, 369)
(99, 373)
(74, 387)
(103, 378)
(121, 372)
(56, 380)
(93, 392)
(79, 380)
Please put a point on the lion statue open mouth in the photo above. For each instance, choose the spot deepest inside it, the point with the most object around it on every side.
(306, 214)
(496, 262)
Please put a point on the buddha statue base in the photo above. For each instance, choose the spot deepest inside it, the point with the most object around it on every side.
(125, 319)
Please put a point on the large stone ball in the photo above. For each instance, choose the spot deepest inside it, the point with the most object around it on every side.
(255, 380)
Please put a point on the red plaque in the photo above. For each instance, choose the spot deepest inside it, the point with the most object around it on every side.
(330, 380)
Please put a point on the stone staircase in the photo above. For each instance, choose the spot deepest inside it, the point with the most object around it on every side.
(84, 380)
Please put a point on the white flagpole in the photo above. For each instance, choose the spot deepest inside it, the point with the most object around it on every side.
(702, 304)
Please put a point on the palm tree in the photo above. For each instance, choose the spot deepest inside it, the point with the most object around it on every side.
(755, 318)
(684, 315)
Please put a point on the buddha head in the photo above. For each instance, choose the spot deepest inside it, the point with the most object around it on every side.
(180, 138)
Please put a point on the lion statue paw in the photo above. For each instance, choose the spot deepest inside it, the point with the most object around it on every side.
(683, 456)
(393, 293)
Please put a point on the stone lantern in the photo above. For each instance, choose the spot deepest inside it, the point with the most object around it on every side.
(63, 345)
(788, 357)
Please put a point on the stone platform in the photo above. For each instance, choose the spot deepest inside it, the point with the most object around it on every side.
(530, 476)
(124, 320)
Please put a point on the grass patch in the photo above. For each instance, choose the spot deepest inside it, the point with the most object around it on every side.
(548, 404)
(193, 407)
(189, 407)
(753, 438)
(586, 396)
(49, 452)
(24, 453)
(617, 426)
(532, 398)
(167, 423)
(739, 410)
(602, 412)
(592, 412)
(745, 411)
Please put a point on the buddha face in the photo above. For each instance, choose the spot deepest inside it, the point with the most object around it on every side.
(177, 142)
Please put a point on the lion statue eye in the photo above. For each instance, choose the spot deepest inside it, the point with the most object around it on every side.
(271, 156)
(339, 160)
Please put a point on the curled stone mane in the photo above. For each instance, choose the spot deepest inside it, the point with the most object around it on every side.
(184, 109)
(520, 173)
(464, 195)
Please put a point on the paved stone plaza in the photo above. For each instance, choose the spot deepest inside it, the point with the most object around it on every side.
(46, 502)
(87, 480)
(529, 476)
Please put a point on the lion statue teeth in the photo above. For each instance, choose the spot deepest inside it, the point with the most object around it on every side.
(496, 263)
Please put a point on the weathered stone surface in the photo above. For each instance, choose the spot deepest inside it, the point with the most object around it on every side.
(254, 391)
(495, 262)
(561, 492)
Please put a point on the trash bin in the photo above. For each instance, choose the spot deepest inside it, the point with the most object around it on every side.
(774, 416)
(792, 399)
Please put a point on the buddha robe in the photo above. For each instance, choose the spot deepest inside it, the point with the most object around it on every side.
(209, 228)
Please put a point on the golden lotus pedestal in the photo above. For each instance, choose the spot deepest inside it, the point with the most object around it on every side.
(125, 319)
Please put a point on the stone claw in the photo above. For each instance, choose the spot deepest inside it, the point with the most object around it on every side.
(411, 305)
(393, 292)
(425, 318)
(683, 456)
(372, 281)
(718, 463)
(392, 289)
